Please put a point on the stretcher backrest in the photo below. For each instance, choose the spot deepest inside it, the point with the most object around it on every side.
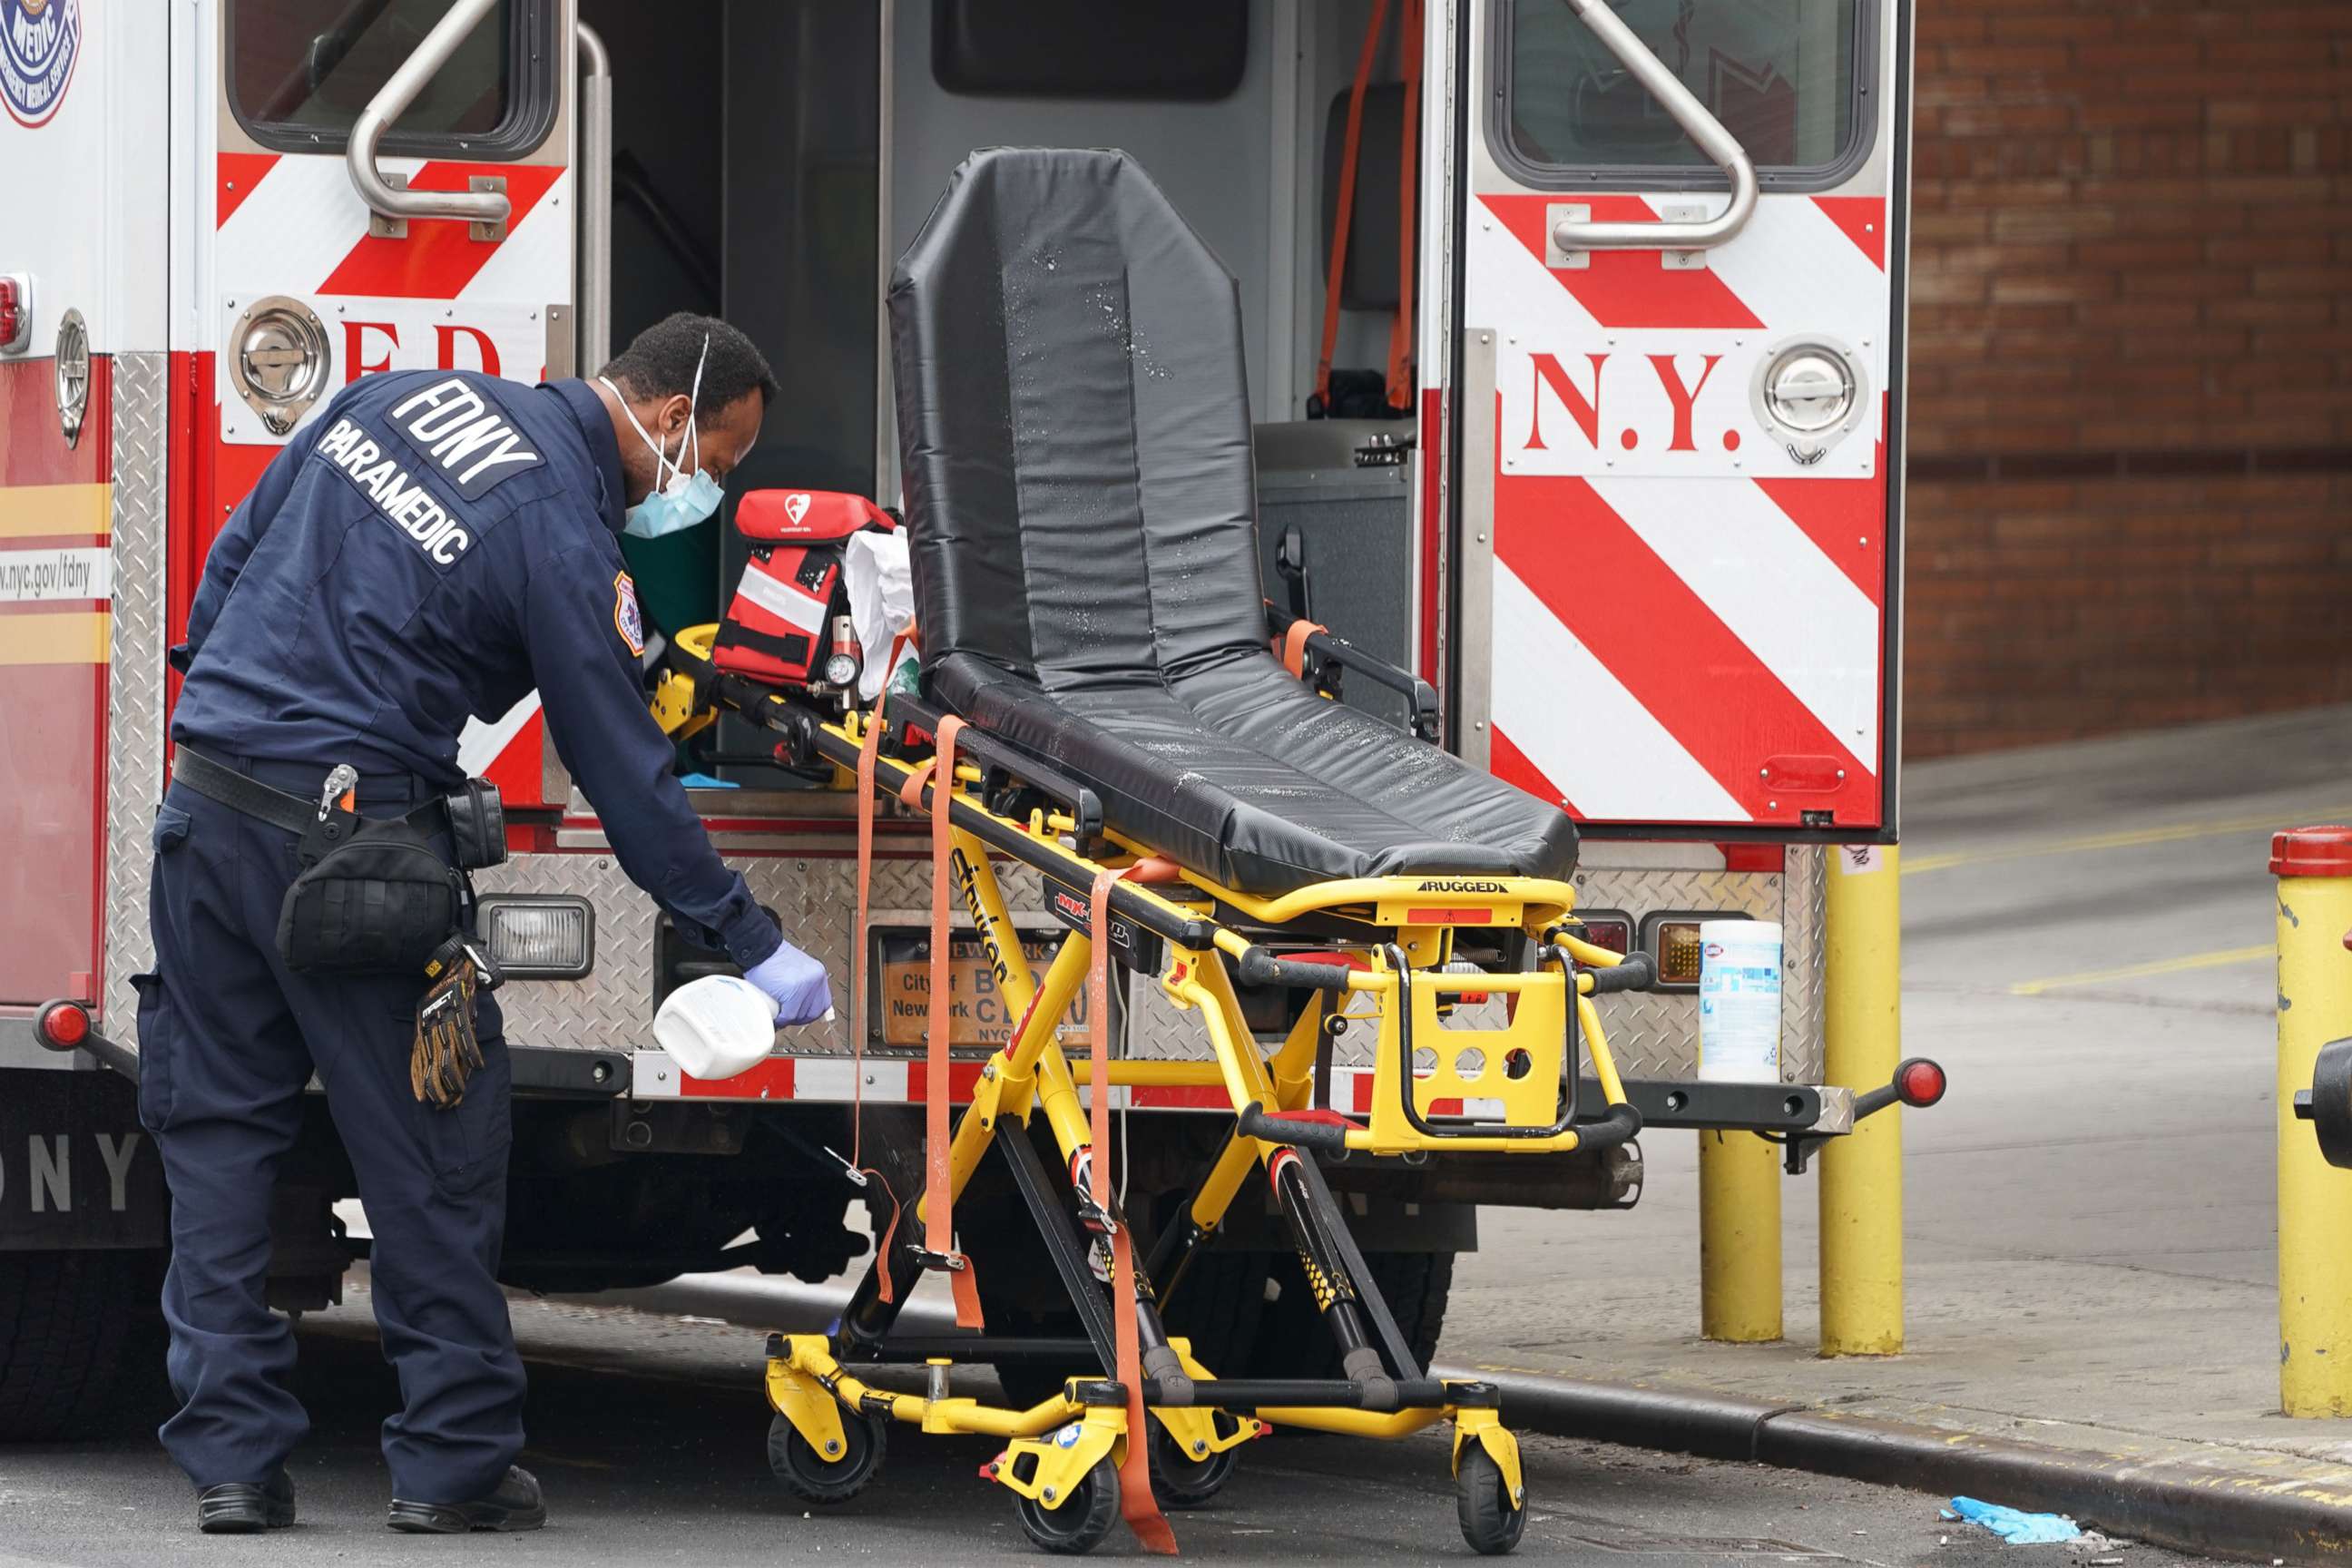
(1074, 429)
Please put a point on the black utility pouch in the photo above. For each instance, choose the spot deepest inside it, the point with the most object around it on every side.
(375, 897)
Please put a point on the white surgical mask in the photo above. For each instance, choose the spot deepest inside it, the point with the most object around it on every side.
(683, 495)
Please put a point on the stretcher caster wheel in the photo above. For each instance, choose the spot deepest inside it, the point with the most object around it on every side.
(1180, 1480)
(1085, 1517)
(1491, 1521)
(813, 1477)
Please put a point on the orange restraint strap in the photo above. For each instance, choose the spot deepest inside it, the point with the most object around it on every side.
(1291, 647)
(868, 750)
(939, 1189)
(1135, 1501)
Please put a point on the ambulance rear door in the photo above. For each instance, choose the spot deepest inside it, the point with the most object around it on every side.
(1677, 358)
(306, 281)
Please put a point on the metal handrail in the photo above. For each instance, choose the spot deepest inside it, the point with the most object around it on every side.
(1701, 127)
(595, 183)
(390, 101)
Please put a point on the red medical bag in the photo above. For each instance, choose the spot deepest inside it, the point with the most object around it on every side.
(780, 627)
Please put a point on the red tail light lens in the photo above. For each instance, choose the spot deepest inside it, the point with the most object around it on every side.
(63, 1026)
(12, 312)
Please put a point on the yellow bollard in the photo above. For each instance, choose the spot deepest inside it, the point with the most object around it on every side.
(1739, 1239)
(2314, 866)
(1862, 1174)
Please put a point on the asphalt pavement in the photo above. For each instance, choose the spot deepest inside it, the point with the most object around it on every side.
(648, 1432)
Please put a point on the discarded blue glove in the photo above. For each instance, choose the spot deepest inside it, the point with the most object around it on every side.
(2017, 1528)
(795, 982)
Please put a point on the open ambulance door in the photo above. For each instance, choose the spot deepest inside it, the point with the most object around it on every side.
(1675, 353)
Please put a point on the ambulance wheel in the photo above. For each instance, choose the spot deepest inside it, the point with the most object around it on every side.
(1180, 1480)
(1085, 1517)
(1491, 1522)
(815, 1478)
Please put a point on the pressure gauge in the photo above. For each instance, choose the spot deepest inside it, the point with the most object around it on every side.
(841, 666)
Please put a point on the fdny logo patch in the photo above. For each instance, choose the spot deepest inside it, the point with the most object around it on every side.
(40, 40)
(463, 433)
(626, 618)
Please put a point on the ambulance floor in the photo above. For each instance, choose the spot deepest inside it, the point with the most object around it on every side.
(648, 1433)
(2089, 1216)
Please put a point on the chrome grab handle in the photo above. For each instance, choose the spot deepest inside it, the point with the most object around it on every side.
(390, 101)
(594, 173)
(1702, 126)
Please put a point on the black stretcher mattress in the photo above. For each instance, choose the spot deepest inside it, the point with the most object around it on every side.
(1074, 423)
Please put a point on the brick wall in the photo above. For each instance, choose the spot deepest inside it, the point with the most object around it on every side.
(2131, 367)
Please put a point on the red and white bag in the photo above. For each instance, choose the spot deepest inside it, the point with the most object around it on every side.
(779, 628)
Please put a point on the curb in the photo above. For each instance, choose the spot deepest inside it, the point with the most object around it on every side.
(2227, 1502)
(2222, 1502)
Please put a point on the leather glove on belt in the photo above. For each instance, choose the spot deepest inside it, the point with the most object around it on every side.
(447, 1051)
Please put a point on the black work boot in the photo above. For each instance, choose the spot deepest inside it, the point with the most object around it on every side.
(241, 1508)
(516, 1505)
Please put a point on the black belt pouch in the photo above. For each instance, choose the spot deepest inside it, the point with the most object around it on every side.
(375, 897)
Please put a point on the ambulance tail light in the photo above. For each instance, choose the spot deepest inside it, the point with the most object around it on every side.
(1607, 928)
(1672, 938)
(540, 936)
(15, 312)
(62, 1025)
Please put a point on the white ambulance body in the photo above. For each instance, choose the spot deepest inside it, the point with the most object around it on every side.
(1636, 516)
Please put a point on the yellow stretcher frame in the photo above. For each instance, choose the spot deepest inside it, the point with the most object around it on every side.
(1407, 927)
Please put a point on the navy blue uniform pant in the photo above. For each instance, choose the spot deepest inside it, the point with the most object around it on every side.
(228, 1039)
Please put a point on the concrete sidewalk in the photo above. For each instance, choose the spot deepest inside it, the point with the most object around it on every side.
(2089, 1221)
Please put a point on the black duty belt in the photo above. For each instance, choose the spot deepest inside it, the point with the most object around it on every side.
(253, 798)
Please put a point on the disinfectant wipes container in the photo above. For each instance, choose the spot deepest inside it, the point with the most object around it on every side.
(1739, 1002)
(717, 1026)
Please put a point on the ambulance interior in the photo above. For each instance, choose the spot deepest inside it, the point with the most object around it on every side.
(749, 181)
(772, 157)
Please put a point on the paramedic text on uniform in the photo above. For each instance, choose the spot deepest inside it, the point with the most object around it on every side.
(434, 545)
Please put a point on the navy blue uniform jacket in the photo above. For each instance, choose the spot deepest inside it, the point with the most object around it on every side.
(433, 545)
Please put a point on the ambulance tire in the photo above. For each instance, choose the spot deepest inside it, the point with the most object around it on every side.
(65, 1322)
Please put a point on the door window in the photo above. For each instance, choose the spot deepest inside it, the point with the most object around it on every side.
(302, 70)
(1788, 77)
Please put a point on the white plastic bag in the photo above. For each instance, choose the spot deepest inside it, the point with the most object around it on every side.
(881, 599)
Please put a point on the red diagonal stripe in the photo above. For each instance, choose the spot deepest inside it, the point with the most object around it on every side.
(437, 260)
(1669, 650)
(1846, 521)
(1626, 288)
(237, 175)
(1863, 219)
(1513, 766)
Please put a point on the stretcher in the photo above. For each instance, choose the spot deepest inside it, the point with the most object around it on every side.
(1107, 700)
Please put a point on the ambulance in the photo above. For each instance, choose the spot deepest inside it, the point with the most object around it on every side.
(1576, 352)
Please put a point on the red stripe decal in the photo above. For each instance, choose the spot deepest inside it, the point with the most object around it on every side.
(1513, 766)
(1846, 521)
(1863, 219)
(1432, 528)
(1360, 1100)
(33, 449)
(238, 174)
(1627, 288)
(437, 260)
(1671, 652)
(771, 1079)
(963, 1079)
(1178, 1096)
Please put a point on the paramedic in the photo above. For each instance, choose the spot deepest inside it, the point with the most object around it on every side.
(434, 544)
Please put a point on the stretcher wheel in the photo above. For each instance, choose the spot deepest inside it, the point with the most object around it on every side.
(1491, 1522)
(1180, 1480)
(1085, 1517)
(817, 1478)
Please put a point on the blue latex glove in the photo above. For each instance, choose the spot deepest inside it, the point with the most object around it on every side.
(2017, 1528)
(795, 982)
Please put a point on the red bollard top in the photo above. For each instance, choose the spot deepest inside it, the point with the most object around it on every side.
(2312, 852)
